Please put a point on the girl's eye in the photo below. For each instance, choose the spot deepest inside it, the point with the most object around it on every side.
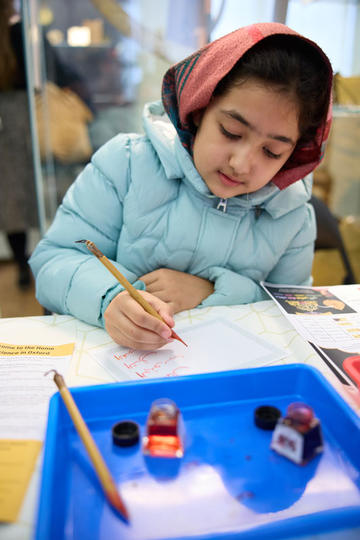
(229, 135)
(270, 154)
(236, 137)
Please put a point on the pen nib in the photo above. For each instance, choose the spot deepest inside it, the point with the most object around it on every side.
(115, 500)
(175, 336)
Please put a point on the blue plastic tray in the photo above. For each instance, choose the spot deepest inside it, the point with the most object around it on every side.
(229, 484)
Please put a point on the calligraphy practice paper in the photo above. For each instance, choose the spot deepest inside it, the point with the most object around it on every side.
(217, 345)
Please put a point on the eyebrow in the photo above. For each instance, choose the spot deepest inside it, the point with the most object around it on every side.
(237, 116)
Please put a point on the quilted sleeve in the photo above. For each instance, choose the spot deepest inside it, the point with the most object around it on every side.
(69, 279)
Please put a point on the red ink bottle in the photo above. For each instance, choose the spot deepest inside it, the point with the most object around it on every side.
(298, 436)
(164, 430)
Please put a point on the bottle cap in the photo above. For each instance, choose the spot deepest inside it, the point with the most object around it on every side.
(300, 413)
(266, 417)
(125, 433)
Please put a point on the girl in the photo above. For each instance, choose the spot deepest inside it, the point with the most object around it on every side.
(209, 202)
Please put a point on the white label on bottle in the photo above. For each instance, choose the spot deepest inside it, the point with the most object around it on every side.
(288, 442)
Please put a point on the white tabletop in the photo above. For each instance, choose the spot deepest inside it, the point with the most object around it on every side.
(262, 318)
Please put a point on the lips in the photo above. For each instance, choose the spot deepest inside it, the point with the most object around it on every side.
(228, 181)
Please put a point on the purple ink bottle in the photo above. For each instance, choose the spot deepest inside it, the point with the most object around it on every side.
(164, 430)
(298, 436)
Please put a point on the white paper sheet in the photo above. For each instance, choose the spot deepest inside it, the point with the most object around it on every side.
(217, 345)
(24, 391)
(327, 317)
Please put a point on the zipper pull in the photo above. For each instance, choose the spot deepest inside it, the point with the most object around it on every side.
(222, 205)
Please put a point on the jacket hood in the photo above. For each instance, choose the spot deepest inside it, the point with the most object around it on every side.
(189, 85)
(178, 163)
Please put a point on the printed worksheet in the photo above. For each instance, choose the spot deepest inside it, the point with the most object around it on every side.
(24, 400)
(24, 390)
(217, 345)
(327, 317)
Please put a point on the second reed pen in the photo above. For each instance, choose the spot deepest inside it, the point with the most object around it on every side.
(134, 293)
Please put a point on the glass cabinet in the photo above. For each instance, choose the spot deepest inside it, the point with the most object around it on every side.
(91, 67)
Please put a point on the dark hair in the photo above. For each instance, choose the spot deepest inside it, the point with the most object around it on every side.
(295, 67)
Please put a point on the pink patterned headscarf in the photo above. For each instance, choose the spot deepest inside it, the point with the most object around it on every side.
(189, 85)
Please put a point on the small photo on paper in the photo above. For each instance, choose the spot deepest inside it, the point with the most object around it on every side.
(309, 301)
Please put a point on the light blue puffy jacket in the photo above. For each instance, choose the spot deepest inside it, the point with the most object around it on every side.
(143, 203)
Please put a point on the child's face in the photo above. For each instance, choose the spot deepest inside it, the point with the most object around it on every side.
(243, 138)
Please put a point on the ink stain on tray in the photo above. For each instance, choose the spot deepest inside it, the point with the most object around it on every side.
(245, 495)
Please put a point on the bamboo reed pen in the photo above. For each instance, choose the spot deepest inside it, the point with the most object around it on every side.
(134, 293)
(98, 462)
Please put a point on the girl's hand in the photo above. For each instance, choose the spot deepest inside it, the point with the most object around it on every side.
(130, 325)
(178, 289)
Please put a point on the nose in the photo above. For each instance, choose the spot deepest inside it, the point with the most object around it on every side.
(241, 159)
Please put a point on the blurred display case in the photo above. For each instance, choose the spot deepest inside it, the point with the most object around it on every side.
(343, 161)
(92, 65)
